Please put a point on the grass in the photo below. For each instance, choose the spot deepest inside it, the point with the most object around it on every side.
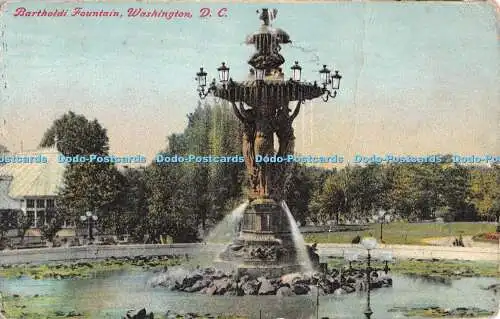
(438, 312)
(35, 307)
(405, 233)
(449, 269)
(83, 269)
(41, 307)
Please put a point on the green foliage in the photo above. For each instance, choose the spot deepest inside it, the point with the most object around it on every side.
(186, 196)
(74, 270)
(23, 224)
(55, 221)
(405, 233)
(414, 191)
(351, 192)
(485, 194)
(133, 208)
(170, 207)
(92, 187)
(76, 135)
(298, 188)
(9, 219)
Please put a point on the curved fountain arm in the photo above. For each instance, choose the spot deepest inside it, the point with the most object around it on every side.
(247, 114)
(238, 113)
(296, 111)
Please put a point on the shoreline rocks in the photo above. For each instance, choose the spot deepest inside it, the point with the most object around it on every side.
(210, 281)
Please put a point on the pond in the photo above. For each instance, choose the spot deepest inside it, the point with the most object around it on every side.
(111, 295)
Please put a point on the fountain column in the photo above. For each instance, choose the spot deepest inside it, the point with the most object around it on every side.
(265, 244)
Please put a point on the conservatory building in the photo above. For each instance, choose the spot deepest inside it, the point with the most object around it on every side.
(30, 181)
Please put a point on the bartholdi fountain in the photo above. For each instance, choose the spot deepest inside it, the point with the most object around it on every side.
(265, 243)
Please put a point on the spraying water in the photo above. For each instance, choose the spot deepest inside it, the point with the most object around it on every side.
(298, 240)
(225, 231)
(217, 239)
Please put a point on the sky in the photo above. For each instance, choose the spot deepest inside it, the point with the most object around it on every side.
(418, 77)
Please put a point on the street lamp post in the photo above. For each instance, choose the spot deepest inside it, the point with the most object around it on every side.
(89, 217)
(383, 217)
(368, 243)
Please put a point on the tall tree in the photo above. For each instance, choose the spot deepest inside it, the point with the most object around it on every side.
(484, 189)
(87, 186)
(132, 216)
(91, 187)
(298, 189)
(170, 208)
(76, 135)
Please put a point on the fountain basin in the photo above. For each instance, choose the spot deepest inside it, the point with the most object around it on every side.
(265, 244)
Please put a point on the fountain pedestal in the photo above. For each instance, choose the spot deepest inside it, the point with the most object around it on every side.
(264, 245)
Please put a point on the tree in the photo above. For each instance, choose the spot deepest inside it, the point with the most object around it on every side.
(484, 190)
(133, 212)
(88, 186)
(455, 191)
(330, 200)
(404, 192)
(298, 189)
(55, 221)
(170, 207)
(367, 190)
(8, 221)
(94, 187)
(23, 224)
(76, 135)
(199, 193)
(225, 180)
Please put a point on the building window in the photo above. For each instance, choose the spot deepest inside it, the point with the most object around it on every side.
(31, 217)
(30, 203)
(37, 210)
(40, 203)
(40, 218)
(50, 203)
(48, 216)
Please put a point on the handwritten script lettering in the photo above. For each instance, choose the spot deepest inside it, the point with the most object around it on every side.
(131, 12)
(140, 12)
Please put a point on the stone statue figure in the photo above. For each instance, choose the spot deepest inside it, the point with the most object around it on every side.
(260, 124)
(269, 115)
(284, 129)
(267, 42)
(264, 146)
(247, 117)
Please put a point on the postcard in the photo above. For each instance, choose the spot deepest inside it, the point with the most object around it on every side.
(291, 159)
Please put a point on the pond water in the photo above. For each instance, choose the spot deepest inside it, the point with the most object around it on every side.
(110, 296)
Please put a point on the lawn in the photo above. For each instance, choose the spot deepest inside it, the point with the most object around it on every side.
(405, 233)
(429, 268)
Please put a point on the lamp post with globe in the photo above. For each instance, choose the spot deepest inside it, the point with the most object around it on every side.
(383, 218)
(90, 218)
(370, 243)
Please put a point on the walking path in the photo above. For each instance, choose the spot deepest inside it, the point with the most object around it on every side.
(60, 254)
(448, 241)
(490, 253)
